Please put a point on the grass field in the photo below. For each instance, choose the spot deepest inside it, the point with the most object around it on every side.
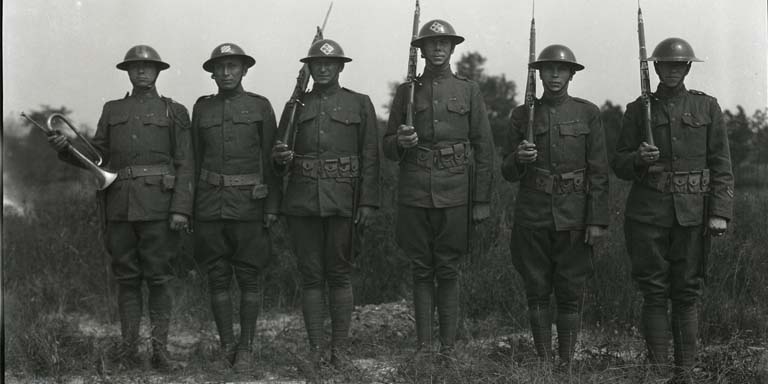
(59, 315)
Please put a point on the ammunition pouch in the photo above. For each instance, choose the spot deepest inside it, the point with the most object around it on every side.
(452, 156)
(555, 184)
(678, 182)
(346, 166)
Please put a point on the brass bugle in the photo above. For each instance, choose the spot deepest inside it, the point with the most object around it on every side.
(104, 178)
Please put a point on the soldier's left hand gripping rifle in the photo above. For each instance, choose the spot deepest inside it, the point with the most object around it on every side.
(288, 120)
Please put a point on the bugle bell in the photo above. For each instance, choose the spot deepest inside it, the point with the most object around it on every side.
(104, 178)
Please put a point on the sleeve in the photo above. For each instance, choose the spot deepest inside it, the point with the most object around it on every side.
(370, 167)
(597, 173)
(272, 178)
(629, 140)
(197, 149)
(396, 117)
(183, 162)
(481, 140)
(510, 169)
(719, 164)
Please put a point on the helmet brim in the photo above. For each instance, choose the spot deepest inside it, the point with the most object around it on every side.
(538, 64)
(419, 42)
(342, 59)
(248, 61)
(675, 59)
(161, 65)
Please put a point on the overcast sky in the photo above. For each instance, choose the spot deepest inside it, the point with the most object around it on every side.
(64, 52)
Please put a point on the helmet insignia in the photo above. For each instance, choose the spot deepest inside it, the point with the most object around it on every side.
(226, 49)
(437, 27)
(327, 49)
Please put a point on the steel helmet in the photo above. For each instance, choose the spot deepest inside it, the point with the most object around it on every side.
(558, 53)
(325, 48)
(228, 50)
(673, 49)
(142, 53)
(436, 28)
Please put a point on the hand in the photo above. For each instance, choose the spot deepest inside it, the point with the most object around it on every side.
(717, 226)
(179, 222)
(526, 152)
(57, 141)
(363, 216)
(594, 234)
(407, 137)
(281, 154)
(647, 154)
(480, 212)
(269, 220)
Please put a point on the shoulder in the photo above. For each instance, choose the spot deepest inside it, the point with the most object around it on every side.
(256, 96)
(586, 104)
(699, 95)
(258, 100)
(357, 95)
(203, 100)
(174, 105)
(463, 80)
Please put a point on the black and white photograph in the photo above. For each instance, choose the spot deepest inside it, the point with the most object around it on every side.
(371, 191)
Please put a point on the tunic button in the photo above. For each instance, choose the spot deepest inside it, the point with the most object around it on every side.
(136, 117)
(322, 113)
(134, 137)
(435, 101)
(322, 132)
(434, 83)
(325, 98)
(436, 121)
(674, 138)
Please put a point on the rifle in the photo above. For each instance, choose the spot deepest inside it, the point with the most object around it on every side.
(645, 79)
(412, 61)
(530, 85)
(302, 82)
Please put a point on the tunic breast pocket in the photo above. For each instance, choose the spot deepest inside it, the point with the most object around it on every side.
(457, 105)
(157, 129)
(345, 135)
(573, 136)
(247, 125)
(695, 129)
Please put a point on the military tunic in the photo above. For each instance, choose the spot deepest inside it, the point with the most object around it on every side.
(336, 166)
(233, 134)
(562, 192)
(669, 202)
(434, 190)
(145, 139)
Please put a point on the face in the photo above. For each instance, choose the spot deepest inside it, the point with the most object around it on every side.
(672, 73)
(437, 50)
(228, 72)
(555, 75)
(142, 74)
(325, 71)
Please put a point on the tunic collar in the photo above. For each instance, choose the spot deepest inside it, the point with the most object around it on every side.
(664, 92)
(437, 73)
(326, 91)
(144, 93)
(554, 99)
(230, 94)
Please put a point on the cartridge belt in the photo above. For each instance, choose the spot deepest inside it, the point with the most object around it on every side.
(134, 171)
(678, 182)
(440, 157)
(555, 184)
(229, 180)
(345, 166)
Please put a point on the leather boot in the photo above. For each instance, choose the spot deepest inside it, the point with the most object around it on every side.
(655, 325)
(129, 302)
(313, 308)
(341, 306)
(685, 328)
(221, 306)
(249, 311)
(567, 334)
(160, 304)
(448, 313)
(424, 306)
(540, 318)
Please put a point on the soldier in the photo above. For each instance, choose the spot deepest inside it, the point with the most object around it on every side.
(333, 186)
(237, 195)
(145, 138)
(561, 210)
(682, 188)
(445, 161)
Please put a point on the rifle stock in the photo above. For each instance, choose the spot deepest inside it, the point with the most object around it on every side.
(645, 79)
